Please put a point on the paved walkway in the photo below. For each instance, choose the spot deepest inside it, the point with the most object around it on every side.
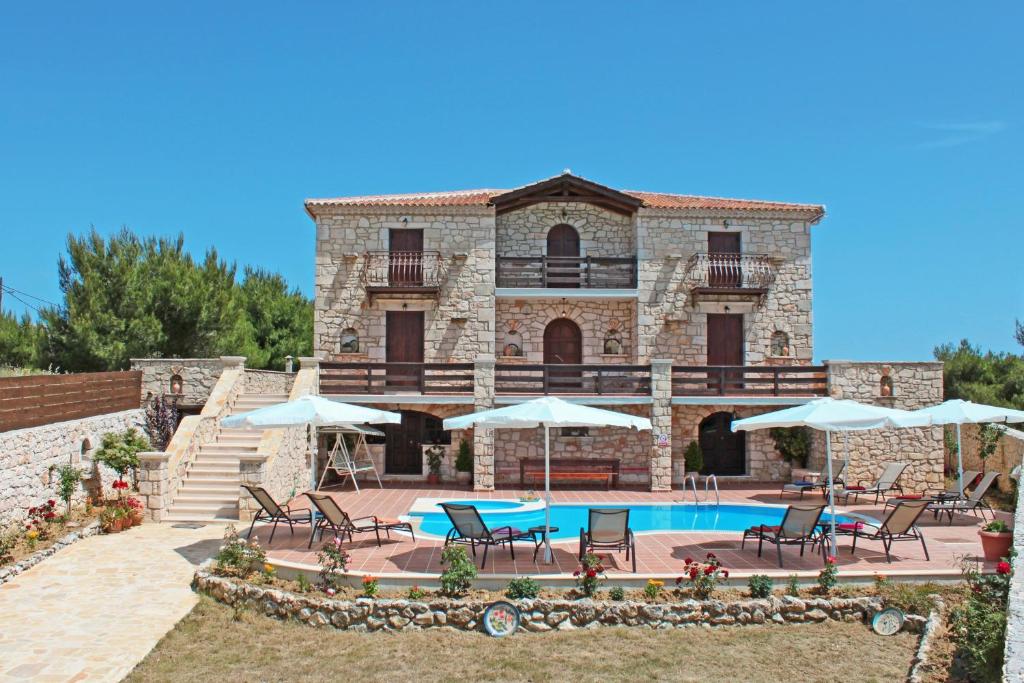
(94, 610)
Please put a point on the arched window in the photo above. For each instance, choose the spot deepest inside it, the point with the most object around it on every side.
(177, 384)
(349, 341)
(780, 343)
(563, 240)
(613, 342)
(885, 387)
(512, 345)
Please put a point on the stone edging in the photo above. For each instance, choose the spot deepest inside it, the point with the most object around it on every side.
(927, 637)
(8, 573)
(364, 614)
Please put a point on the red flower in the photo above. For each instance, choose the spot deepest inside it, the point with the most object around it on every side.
(576, 573)
(679, 580)
(708, 570)
(50, 503)
(688, 560)
(31, 511)
(831, 559)
(711, 556)
(725, 573)
(591, 573)
(1003, 568)
(693, 573)
(49, 516)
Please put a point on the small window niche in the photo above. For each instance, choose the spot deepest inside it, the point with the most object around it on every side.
(177, 385)
(349, 341)
(885, 385)
(512, 344)
(575, 432)
(613, 341)
(780, 344)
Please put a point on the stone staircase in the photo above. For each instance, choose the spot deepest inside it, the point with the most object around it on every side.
(209, 492)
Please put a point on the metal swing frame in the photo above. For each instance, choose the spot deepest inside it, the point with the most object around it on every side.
(348, 463)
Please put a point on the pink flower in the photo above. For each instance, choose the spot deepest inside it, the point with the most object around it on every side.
(330, 591)
(1003, 568)
(831, 559)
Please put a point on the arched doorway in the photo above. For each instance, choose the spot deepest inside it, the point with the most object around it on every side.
(725, 451)
(563, 262)
(403, 445)
(563, 345)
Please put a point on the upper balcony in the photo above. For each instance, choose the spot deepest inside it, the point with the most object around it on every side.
(403, 272)
(588, 274)
(714, 275)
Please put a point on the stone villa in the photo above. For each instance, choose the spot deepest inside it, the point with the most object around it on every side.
(689, 310)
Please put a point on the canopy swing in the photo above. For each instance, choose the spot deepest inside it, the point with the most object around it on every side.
(345, 462)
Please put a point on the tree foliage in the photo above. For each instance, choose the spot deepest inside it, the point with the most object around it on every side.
(992, 378)
(131, 297)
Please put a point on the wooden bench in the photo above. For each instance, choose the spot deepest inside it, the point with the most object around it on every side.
(604, 470)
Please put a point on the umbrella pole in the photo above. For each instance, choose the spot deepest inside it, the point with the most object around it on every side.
(831, 488)
(312, 451)
(959, 462)
(547, 495)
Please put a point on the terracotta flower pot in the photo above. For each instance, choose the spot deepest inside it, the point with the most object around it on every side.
(996, 544)
(433, 478)
(136, 519)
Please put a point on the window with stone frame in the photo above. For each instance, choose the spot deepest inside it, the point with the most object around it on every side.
(349, 341)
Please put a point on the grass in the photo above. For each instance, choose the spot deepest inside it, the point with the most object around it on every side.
(217, 643)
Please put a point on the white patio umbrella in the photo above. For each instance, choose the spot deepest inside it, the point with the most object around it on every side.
(547, 412)
(959, 412)
(310, 411)
(833, 415)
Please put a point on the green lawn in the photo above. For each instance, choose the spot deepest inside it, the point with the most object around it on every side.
(215, 643)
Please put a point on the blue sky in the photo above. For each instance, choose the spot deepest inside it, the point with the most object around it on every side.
(218, 119)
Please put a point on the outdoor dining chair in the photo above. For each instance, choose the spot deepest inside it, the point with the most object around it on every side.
(270, 511)
(469, 528)
(334, 518)
(608, 529)
(973, 503)
(799, 526)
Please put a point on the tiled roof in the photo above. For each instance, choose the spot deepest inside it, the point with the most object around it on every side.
(653, 200)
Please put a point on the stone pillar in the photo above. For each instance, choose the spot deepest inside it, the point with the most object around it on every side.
(483, 439)
(310, 363)
(233, 361)
(251, 471)
(154, 484)
(661, 423)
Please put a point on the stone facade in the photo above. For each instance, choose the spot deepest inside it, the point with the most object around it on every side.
(763, 462)
(268, 381)
(597, 320)
(913, 386)
(26, 456)
(198, 376)
(524, 232)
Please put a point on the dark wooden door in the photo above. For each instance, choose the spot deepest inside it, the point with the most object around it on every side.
(725, 269)
(405, 262)
(404, 344)
(563, 263)
(403, 446)
(724, 451)
(563, 345)
(725, 347)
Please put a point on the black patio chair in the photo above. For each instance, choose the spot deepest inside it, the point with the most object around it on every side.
(270, 511)
(334, 518)
(469, 528)
(608, 529)
(899, 524)
(799, 526)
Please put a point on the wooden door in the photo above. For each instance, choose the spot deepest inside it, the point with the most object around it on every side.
(724, 269)
(563, 262)
(404, 344)
(403, 446)
(724, 451)
(725, 347)
(405, 262)
(563, 345)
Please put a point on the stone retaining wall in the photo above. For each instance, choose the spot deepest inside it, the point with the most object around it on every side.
(1009, 453)
(268, 381)
(198, 376)
(8, 573)
(364, 614)
(26, 456)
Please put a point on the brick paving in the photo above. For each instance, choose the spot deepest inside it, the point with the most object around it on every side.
(659, 554)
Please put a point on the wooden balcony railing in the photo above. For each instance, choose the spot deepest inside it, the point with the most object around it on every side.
(392, 378)
(573, 272)
(587, 380)
(730, 272)
(749, 380)
(403, 270)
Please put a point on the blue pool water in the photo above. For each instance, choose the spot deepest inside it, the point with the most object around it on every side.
(570, 518)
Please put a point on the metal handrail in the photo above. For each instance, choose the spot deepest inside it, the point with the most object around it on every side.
(708, 479)
(730, 271)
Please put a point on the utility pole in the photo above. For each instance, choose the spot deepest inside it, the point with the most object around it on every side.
(1, 294)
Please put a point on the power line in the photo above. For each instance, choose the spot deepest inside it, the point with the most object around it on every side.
(12, 291)
(23, 301)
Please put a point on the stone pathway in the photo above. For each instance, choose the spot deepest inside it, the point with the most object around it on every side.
(95, 609)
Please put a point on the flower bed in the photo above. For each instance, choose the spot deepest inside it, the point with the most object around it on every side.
(366, 614)
(8, 572)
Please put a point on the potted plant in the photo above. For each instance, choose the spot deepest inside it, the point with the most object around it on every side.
(464, 463)
(434, 455)
(113, 518)
(693, 460)
(996, 539)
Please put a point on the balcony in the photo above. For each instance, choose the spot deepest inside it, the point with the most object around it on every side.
(749, 380)
(566, 272)
(585, 380)
(729, 277)
(403, 272)
(396, 378)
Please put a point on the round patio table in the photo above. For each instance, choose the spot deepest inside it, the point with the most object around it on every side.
(538, 538)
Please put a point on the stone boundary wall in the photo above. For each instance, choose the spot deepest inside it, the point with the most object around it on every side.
(268, 381)
(8, 573)
(1009, 454)
(199, 375)
(26, 456)
(364, 614)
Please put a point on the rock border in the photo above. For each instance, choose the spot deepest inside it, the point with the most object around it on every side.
(927, 637)
(8, 573)
(538, 615)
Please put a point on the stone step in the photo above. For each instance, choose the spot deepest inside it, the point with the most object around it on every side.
(223, 484)
(205, 474)
(206, 496)
(178, 517)
(247, 439)
(228, 449)
(224, 468)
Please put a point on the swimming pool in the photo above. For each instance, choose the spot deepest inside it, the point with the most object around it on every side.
(642, 518)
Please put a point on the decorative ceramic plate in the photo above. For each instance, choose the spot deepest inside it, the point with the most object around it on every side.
(888, 622)
(501, 619)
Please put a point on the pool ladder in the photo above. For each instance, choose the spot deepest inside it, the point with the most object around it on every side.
(710, 482)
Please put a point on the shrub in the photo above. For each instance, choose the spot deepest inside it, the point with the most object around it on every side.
(652, 589)
(997, 526)
(913, 598)
(457, 577)
(416, 593)
(760, 586)
(161, 421)
(333, 562)
(792, 443)
(120, 451)
(979, 625)
(617, 593)
(304, 585)
(793, 585)
(237, 557)
(703, 577)
(693, 458)
(522, 587)
(589, 574)
(464, 459)
(371, 586)
(829, 576)
(68, 477)
(40, 521)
